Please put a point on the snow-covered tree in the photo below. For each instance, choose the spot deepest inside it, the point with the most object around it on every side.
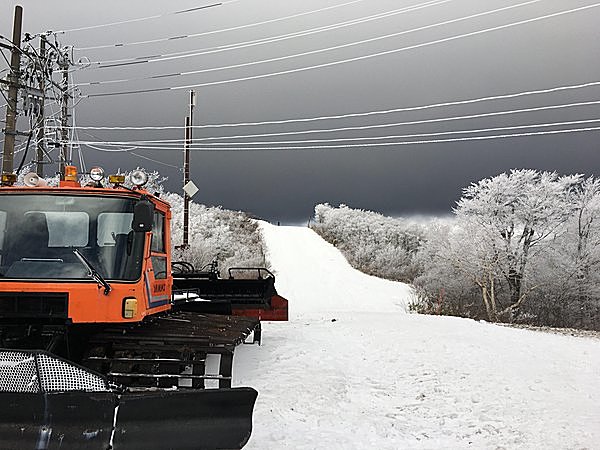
(570, 273)
(230, 237)
(377, 245)
(444, 284)
(523, 246)
(512, 216)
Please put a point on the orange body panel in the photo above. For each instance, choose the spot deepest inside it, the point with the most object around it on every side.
(87, 302)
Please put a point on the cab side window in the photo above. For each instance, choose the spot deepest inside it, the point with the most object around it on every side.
(158, 233)
(159, 261)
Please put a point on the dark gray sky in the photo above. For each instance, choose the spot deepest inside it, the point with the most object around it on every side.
(285, 185)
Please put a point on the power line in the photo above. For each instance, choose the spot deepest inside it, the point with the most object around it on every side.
(223, 30)
(155, 160)
(312, 52)
(396, 124)
(362, 114)
(262, 41)
(334, 63)
(370, 138)
(130, 151)
(378, 144)
(141, 19)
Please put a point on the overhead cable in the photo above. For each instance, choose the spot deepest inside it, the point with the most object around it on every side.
(142, 19)
(311, 52)
(389, 125)
(238, 45)
(367, 145)
(334, 63)
(355, 139)
(133, 153)
(360, 114)
(154, 160)
(222, 30)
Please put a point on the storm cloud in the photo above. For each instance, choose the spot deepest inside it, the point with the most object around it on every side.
(284, 185)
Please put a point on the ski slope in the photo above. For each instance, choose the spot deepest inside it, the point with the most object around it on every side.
(353, 370)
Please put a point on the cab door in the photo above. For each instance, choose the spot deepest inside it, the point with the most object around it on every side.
(158, 276)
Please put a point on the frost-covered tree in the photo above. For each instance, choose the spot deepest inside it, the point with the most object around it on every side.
(377, 245)
(230, 237)
(446, 285)
(522, 247)
(570, 273)
(584, 228)
(513, 216)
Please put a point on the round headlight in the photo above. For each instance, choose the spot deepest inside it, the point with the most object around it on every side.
(139, 178)
(97, 173)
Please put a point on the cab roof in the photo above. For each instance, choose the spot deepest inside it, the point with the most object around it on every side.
(84, 191)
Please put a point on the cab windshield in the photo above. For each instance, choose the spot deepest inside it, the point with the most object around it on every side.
(38, 234)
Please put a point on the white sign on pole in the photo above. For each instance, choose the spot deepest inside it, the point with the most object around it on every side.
(190, 189)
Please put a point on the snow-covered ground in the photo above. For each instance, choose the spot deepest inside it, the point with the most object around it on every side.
(352, 370)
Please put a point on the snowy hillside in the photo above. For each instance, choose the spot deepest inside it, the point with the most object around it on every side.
(353, 370)
(317, 277)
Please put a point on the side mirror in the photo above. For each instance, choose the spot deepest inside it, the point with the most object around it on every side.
(143, 216)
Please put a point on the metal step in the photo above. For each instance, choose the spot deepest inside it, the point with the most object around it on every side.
(146, 360)
(166, 375)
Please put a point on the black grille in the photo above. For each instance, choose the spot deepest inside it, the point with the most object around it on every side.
(34, 305)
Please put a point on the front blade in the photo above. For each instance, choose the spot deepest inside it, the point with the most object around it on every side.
(67, 420)
(181, 420)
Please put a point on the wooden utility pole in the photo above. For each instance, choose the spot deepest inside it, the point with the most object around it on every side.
(186, 177)
(41, 118)
(189, 121)
(10, 130)
(64, 115)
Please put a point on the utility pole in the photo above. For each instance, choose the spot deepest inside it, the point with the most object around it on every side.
(10, 130)
(189, 126)
(64, 114)
(186, 178)
(41, 117)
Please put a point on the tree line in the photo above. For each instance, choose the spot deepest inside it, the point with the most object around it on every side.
(520, 247)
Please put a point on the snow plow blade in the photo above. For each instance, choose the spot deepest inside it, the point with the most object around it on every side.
(205, 419)
(73, 420)
(209, 419)
(50, 403)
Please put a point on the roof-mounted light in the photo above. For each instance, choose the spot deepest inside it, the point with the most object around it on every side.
(70, 173)
(97, 174)
(138, 178)
(8, 179)
(116, 180)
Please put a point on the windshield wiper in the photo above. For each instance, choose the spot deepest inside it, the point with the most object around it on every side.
(92, 272)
